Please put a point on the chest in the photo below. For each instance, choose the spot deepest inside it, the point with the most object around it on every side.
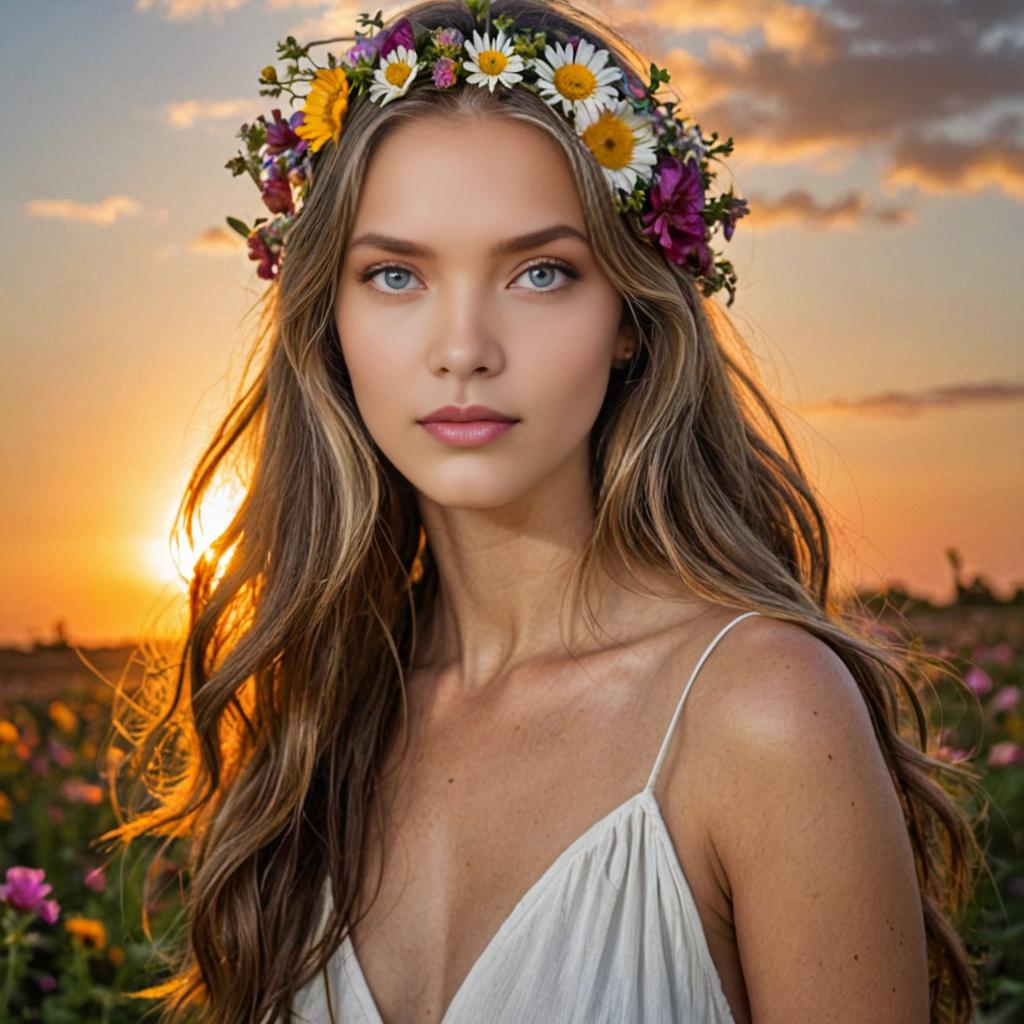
(482, 807)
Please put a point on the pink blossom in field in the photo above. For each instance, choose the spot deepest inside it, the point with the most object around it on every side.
(1006, 698)
(1005, 753)
(25, 890)
(951, 754)
(994, 654)
(61, 754)
(978, 680)
(40, 764)
(56, 814)
(95, 879)
(47, 983)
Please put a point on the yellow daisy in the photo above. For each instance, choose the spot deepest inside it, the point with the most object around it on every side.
(87, 931)
(493, 61)
(394, 75)
(622, 142)
(577, 80)
(324, 110)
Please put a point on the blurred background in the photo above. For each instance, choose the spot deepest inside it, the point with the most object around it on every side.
(881, 147)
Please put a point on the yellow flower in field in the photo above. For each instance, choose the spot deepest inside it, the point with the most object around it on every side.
(87, 750)
(325, 107)
(6, 810)
(88, 931)
(8, 732)
(116, 955)
(62, 716)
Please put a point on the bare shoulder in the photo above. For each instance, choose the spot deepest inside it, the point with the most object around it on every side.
(804, 819)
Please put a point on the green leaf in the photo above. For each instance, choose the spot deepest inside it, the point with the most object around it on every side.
(239, 226)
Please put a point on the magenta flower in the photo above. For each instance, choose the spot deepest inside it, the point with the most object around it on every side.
(1006, 698)
(25, 890)
(978, 680)
(281, 134)
(400, 34)
(674, 218)
(277, 195)
(47, 983)
(95, 879)
(259, 250)
(1005, 753)
(444, 72)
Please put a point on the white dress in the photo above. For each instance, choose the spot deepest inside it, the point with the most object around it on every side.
(609, 933)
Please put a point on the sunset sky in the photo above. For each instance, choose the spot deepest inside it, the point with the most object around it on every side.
(881, 148)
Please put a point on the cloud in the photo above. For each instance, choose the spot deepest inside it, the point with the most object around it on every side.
(798, 206)
(784, 25)
(217, 242)
(939, 165)
(909, 404)
(188, 112)
(101, 213)
(902, 80)
(180, 10)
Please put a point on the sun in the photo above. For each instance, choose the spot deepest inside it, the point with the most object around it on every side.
(173, 559)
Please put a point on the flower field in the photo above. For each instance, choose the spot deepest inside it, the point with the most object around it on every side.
(70, 915)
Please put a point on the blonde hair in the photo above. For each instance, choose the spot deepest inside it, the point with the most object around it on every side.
(261, 744)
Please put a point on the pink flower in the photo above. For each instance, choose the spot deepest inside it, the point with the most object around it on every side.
(674, 218)
(95, 879)
(444, 72)
(1006, 698)
(25, 890)
(56, 814)
(47, 983)
(277, 195)
(60, 753)
(1005, 753)
(951, 754)
(978, 680)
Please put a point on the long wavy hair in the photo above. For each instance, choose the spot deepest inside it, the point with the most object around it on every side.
(258, 742)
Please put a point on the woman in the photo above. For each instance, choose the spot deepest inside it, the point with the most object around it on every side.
(435, 764)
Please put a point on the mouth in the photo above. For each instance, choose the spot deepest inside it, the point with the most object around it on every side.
(467, 433)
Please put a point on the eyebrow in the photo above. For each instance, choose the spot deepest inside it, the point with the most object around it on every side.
(530, 240)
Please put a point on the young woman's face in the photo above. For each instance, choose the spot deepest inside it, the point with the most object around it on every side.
(459, 315)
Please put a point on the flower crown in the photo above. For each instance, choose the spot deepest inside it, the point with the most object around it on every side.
(656, 163)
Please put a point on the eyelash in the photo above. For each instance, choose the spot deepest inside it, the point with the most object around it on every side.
(570, 271)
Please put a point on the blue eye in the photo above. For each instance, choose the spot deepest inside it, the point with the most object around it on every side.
(388, 272)
(547, 268)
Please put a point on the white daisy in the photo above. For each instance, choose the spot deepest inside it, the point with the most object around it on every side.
(394, 75)
(579, 80)
(493, 60)
(622, 142)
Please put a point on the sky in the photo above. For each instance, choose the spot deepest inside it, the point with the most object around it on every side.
(880, 145)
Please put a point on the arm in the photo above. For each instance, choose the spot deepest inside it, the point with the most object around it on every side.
(810, 833)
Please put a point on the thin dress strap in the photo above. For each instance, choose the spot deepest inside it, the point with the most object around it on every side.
(686, 689)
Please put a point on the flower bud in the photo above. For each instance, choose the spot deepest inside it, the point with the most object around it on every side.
(269, 73)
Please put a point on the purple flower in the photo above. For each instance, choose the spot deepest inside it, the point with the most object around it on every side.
(448, 37)
(47, 983)
(400, 34)
(277, 195)
(25, 890)
(281, 134)
(737, 208)
(674, 216)
(364, 48)
(444, 72)
(978, 680)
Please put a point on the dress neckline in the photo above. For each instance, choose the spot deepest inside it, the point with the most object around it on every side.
(642, 800)
(644, 797)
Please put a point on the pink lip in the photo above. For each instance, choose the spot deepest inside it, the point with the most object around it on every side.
(467, 435)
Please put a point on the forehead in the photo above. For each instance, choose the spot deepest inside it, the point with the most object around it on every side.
(439, 174)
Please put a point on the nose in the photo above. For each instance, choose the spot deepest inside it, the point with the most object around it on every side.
(466, 338)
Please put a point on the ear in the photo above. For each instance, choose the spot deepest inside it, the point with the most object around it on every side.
(625, 344)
